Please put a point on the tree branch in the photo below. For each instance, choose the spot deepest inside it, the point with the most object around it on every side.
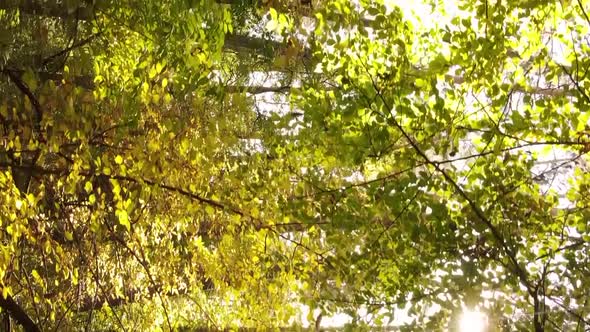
(583, 11)
(71, 48)
(17, 313)
(183, 192)
(15, 78)
(564, 248)
(576, 84)
(499, 238)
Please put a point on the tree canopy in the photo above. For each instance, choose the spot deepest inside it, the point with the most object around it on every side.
(226, 164)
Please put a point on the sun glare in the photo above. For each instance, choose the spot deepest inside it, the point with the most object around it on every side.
(473, 321)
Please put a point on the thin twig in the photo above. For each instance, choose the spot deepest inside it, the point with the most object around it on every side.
(71, 48)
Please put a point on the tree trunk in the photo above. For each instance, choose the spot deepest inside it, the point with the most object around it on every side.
(538, 315)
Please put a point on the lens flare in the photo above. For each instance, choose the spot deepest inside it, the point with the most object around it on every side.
(473, 321)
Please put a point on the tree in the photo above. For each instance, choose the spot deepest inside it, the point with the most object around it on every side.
(117, 158)
(143, 189)
(424, 159)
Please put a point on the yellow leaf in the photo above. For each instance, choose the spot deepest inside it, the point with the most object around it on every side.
(155, 98)
(255, 212)
(124, 219)
(88, 186)
(152, 73)
(210, 210)
(36, 275)
(5, 291)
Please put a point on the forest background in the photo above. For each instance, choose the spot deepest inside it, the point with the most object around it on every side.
(212, 164)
